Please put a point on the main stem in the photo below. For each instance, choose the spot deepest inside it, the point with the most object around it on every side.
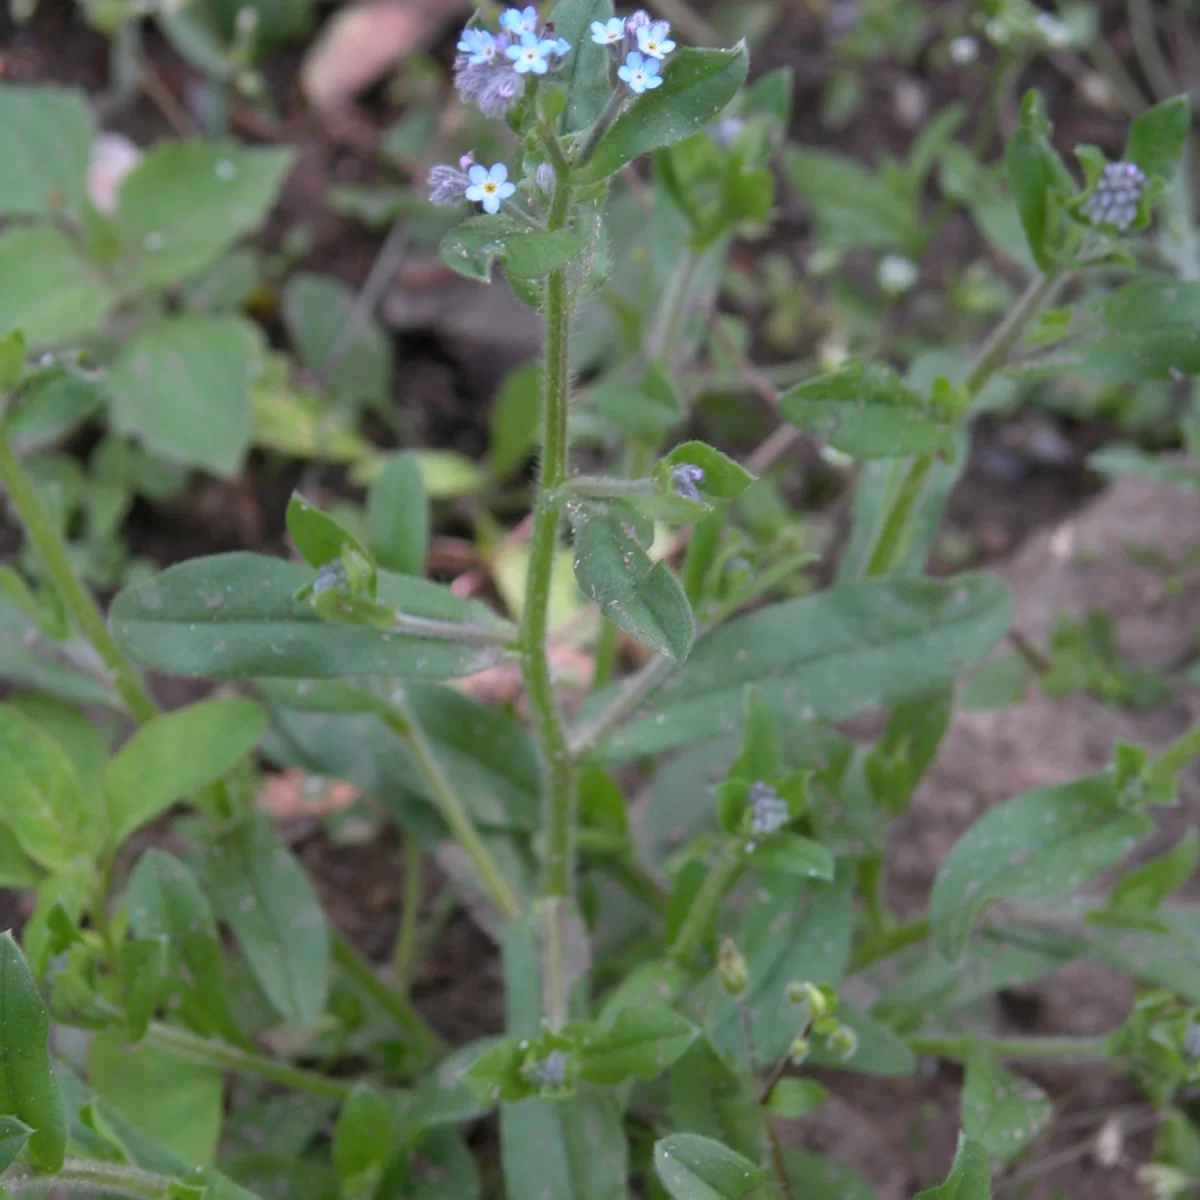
(87, 1178)
(79, 603)
(558, 776)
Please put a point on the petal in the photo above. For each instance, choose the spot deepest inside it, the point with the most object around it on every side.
(635, 60)
(505, 190)
(653, 66)
(540, 67)
(499, 173)
(513, 52)
(653, 81)
(478, 173)
(624, 73)
(475, 193)
(667, 46)
(491, 204)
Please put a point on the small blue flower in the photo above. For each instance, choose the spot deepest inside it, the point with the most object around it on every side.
(608, 33)
(489, 187)
(562, 47)
(655, 40)
(531, 54)
(478, 45)
(640, 73)
(518, 21)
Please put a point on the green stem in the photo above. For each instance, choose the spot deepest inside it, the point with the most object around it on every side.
(89, 1178)
(888, 942)
(80, 604)
(586, 148)
(558, 775)
(212, 1053)
(631, 694)
(503, 633)
(406, 726)
(605, 654)
(404, 958)
(1026, 1049)
(731, 862)
(663, 339)
(397, 1006)
(890, 545)
(1176, 756)
(608, 487)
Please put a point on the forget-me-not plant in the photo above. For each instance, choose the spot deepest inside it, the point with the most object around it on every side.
(640, 73)
(654, 40)
(489, 187)
(533, 54)
(478, 45)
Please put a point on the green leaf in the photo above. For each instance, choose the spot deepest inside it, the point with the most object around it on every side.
(1157, 137)
(697, 85)
(165, 901)
(362, 1142)
(514, 426)
(825, 657)
(1000, 1110)
(187, 202)
(143, 974)
(398, 517)
(644, 411)
(177, 754)
(585, 75)
(14, 1133)
(262, 893)
(710, 1095)
(817, 1176)
(969, 1179)
(852, 207)
(997, 684)
(723, 478)
(473, 247)
(319, 538)
(69, 300)
(181, 386)
(45, 145)
(1038, 180)
(12, 362)
(908, 747)
(28, 1089)
(1144, 889)
(175, 1102)
(791, 854)
(638, 1042)
(40, 800)
(691, 1167)
(316, 309)
(1039, 844)
(640, 596)
(235, 616)
(51, 402)
(864, 410)
(795, 1098)
(880, 1051)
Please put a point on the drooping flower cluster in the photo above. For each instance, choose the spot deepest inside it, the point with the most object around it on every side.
(489, 68)
(640, 45)
(1115, 199)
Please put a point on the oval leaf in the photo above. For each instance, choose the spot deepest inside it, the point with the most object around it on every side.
(692, 1167)
(398, 517)
(970, 1178)
(1000, 1110)
(235, 616)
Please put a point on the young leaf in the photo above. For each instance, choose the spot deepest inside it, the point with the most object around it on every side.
(908, 747)
(398, 517)
(791, 854)
(825, 657)
(165, 901)
(585, 75)
(696, 85)
(319, 538)
(1000, 1110)
(795, 1098)
(264, 896)
(362, 1142)
(639, 1043)
(186, 202)
(472, 248)
(1039, 844)
(176, 754)
(45, 145)
(865, 411)
(691, 1167)
(640, 596)
(175, 1102)
(1144, 889)
(70, 300)
(143, 971)
(1157, 137)
(235, 616)
(40, 800)
(1038, 179)
(970, 1178)
(14, 1133)
(723, 479)
(28, 1088)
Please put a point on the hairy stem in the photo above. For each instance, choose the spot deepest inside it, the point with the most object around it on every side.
(586, 148)
(631, 694)
(87, 1178)
(1026, 1049)
(82, 607)
(731, 862)
(558, 776)
(406, 725)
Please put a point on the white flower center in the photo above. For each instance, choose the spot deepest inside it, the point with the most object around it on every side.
(651, 45)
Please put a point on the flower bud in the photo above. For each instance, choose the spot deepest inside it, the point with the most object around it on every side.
(684, 479)
(768, 810)
(843, 1041)
(732, 968)
(1114, 201)
(820, 1001)
(447, 185)
(799, 1050)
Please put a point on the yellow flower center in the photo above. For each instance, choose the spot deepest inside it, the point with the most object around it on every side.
(490, 188)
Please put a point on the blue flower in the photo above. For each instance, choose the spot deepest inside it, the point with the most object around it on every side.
(518, 21)
(531, 54)
(478, 45)
(655, 40)
(562, 47)
(489, 187)
(608, 33)
(640, 73)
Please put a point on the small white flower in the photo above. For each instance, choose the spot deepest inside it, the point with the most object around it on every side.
(964, 50)
(113, 157)
(641, 74)
(531, 54)
(654, 40)
(608, 33)
(489, 187)
(896, 274)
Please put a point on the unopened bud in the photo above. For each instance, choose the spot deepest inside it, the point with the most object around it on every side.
(798, 1051)
(684, 479)
(732, 968)
(820, 1001)
(843, 1041)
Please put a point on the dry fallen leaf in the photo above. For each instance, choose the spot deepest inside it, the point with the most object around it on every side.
(360, 44)
(292, 793)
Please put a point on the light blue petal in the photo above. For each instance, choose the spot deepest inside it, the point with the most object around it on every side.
(505, 190)
(499, 173)
(491, 204)
(475, 193)
(478, 173)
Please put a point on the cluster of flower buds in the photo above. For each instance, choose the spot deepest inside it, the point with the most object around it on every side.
(1115, 198)
(639, 44)
(489, 69)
